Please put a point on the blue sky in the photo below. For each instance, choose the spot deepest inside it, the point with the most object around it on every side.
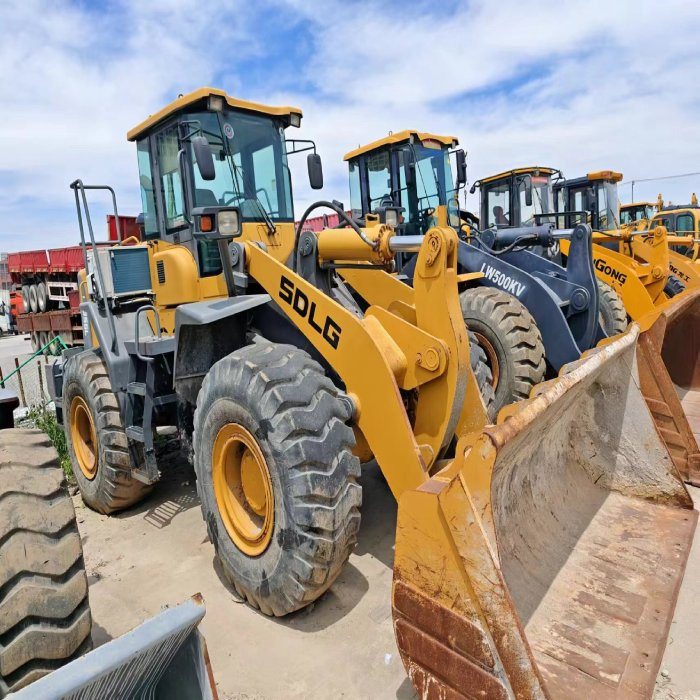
(579, 86)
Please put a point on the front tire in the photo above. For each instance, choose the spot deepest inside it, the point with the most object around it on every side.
(276, 475)
(511, 340)
(96, 438)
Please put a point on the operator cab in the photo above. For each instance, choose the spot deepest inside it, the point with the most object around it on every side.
(406, 178)
(590, 199)
(213, 167)
(636, 211)
(520, 197)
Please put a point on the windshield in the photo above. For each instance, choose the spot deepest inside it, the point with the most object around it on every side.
(434, 186)
(541, 200)
(608, 207)
(250, 163)
(630, 214)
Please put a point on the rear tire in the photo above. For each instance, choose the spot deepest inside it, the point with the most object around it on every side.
(44, 610)
(33, 299)
(511, 341)
(94, 428)
(34, 338)
(674, 285)
(297, 419)
(613, 317)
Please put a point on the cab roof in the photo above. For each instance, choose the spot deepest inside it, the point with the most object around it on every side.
(202, 95)
(518, 171)
(637, 204)
(609, 175)
(400, 137)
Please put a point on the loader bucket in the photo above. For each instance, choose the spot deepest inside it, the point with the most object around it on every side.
(669, 371)
(545, 559)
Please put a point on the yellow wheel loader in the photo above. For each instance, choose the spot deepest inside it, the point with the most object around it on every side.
(661, 292)
(632, 268)
(682, 221)
(539, 557)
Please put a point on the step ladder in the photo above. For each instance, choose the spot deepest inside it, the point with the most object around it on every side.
(142, 397)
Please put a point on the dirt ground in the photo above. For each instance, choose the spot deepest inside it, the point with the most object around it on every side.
(343, 646)
(158, 553)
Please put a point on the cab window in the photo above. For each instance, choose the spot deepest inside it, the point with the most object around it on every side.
(666, 221)
(685, 223)
(167, 147)
(498, 204)
(355, 192)
(378, 179)
(577, 203)
(148, 195)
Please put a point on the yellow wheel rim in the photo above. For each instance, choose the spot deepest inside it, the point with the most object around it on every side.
(491, 358)
(243, 489)
(83, 437)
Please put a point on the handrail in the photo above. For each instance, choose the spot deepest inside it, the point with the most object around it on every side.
(79, 185)
(145, 307)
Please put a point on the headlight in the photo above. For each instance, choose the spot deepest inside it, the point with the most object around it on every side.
(295, 119)
(216, 103)
(391, 217)
(228, 223)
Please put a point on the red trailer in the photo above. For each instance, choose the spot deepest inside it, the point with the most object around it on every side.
(318, 223)
(128, 225)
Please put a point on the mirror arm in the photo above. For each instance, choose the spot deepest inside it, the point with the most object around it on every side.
(312, 147)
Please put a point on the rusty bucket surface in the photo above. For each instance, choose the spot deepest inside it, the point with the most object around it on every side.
(669, 370)
(545, 560)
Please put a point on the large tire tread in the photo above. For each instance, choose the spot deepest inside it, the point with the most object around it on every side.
(613, 316)
(44, 611)
(303, 419)
(118, 489)
(483, 375)
(521, 339)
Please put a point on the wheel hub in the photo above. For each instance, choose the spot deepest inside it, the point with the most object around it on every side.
(243, 489)
(83, 437)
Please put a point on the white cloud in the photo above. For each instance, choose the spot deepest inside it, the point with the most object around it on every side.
(605, 89)
(579, 86)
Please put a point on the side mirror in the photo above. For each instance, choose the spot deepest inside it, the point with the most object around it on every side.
(461, 158)
(313, 163)
(204, 157)
(528, 191)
